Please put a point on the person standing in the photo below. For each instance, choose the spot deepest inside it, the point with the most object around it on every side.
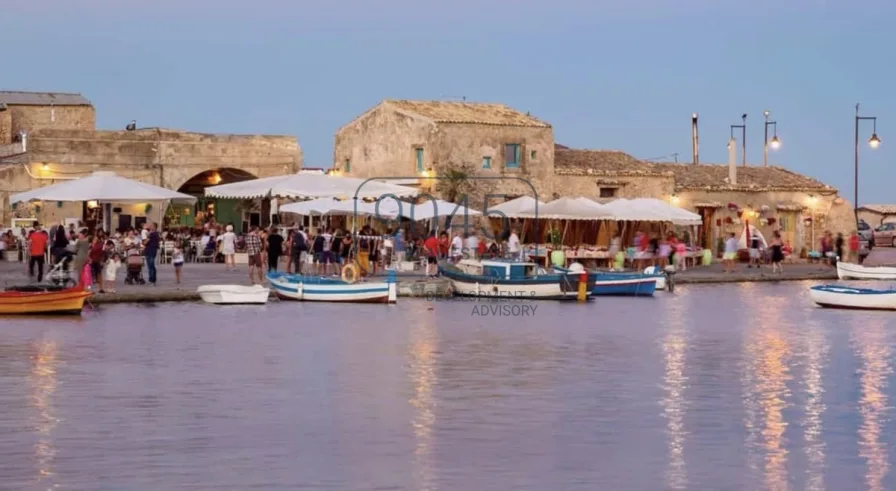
(431, 248)
(253, 248)
(97, 258)
(37, 248)
(151, 251)
(471, 245)
(854, 247)
(82, 251)
(59, 249)
(777, 253)
(838, 248)
(275, 249)
(177, 260)
(513, 245)
(730, 254)
(327, 255)
(228, 248)
(456, 252)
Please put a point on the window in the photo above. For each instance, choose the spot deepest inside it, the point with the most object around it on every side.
(419, 159)
(608, 192)
(486, 162)
(348, 166)
(512, 156)
(532, 155)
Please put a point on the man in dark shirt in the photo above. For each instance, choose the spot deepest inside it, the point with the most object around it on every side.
(275, 248)
(151, 250)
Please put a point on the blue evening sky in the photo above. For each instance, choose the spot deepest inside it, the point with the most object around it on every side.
(615, 75)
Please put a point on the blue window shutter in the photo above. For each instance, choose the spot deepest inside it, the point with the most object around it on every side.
(419, 160)
(486, 162)
(512, 155)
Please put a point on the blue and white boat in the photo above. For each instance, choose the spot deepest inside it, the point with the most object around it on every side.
(844, 297)
(510, 279)
(621, 283)
(321, 289)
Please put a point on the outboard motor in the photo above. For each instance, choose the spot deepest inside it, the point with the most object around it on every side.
(669, 271)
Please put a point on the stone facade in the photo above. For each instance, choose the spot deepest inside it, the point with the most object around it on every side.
(419, 140)
(32, 111)
(162, 157)
(877, 215)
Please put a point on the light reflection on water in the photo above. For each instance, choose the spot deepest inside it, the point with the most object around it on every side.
(625, 394)
(870, 340)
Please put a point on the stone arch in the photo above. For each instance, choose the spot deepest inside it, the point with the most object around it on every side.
(226, 211)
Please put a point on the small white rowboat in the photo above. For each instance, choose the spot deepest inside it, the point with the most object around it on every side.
(843, 297)
(234, 294)
(849, 271)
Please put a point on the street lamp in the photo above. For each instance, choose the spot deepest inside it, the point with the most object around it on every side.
(775, 142)
(873, 142)
(743, 137)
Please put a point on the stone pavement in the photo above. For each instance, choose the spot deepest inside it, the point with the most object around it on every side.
(413, 285)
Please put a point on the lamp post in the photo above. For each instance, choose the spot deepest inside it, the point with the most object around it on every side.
(775, 142)
(743, 138)
(873, 142)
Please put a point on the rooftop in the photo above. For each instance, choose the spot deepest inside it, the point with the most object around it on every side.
(882, 209)
(17, 98)
(468, 113)
(705, 177)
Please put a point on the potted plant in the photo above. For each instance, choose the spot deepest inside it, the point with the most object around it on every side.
(558, 258)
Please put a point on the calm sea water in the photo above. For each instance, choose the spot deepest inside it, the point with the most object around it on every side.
(712, 387)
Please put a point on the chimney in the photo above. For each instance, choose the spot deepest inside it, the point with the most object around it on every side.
(695, 139)
(732, 161)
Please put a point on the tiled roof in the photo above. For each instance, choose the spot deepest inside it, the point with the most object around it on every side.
(706, 177)
(882, 209)
(468, 113)
(14, 98)
(713, 177)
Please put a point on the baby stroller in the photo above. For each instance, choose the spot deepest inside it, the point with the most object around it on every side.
(134, 263)
(61, 275)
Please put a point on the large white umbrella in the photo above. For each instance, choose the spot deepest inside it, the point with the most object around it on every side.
(103, 187)
(309, 186)
(329, 206)
(435, 209)
(569, 209)
(633, 211)
(514, 207)
(676, 215)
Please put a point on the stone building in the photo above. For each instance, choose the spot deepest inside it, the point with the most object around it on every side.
(30, 111)
(505, 148)
(877, 215)
(418, 139)
(66, 145)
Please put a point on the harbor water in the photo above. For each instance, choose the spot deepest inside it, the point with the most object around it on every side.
(719, 387)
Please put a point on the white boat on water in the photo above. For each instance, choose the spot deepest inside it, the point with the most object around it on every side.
(844, 297)
(234, 294)
(320, 289)
(849, 271)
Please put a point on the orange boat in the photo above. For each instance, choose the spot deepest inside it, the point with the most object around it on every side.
(42, 300)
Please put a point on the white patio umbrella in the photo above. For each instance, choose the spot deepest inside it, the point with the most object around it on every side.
(329, 206)
(435, 209)
(308, 186)
(105, 188)
(514, 207)
(569, 209)
(677, 216)
(632, 210)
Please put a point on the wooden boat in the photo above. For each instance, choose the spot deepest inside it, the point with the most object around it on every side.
(660, 276)
(621, 283)
(510, 279)
(844, 297)
(234, 294)
(320, 289)
(42, 300)
(849, 271)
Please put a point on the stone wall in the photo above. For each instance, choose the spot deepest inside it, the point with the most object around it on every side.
(5, 127)
(382, 143)
(160, 157)
(628, 187)
(35, 118)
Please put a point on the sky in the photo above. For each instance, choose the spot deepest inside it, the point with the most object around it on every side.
(624, 75)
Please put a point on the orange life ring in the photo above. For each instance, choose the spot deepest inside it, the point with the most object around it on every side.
(349, 278)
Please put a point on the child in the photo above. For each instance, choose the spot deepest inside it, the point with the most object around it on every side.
(177, 259)
(681, 253)
(109, 273)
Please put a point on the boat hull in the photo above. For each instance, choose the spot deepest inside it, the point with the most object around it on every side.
(69, 301)
(841, 297)
(849, 271)
(234, 294)
(310, 289)
(545, 287)
(632, 285)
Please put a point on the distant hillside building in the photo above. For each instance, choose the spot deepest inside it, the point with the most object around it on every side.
(49, 137)
(400, 138)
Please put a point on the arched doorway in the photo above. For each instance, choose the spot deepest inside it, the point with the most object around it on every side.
(206, 209)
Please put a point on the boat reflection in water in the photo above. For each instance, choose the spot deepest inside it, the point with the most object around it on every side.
(870, 342)
(421, 361)
(674, 383)
(765, 395)
(42, 382)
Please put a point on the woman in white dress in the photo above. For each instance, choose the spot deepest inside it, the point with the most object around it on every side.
(228, 248)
